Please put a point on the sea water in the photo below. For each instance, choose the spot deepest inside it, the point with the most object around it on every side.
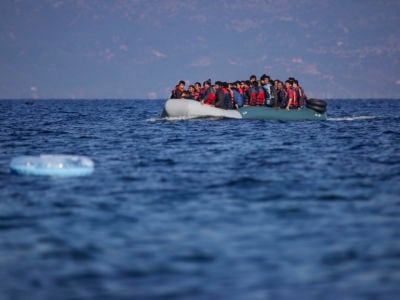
(201, 209)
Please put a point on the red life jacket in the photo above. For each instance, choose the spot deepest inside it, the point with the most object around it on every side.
(212, 97)
(202, 92)
(196, 95)
(254, 93)
(260, 96)
(227, 91)
(290, 94)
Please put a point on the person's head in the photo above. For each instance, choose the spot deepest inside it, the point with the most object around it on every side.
(262, 78)
(288, 83)
(255, 83)
(280, 84)
(181, 85)
(197, 86)
(295, 83)
(191, 88)
(253, 78)
(217, 85)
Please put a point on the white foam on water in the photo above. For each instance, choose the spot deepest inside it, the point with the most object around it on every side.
(356, 118)
(158, 119)
(184, 118)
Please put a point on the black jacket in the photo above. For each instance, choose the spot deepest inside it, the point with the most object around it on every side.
(219, 100)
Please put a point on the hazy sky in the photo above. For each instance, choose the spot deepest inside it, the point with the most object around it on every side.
(141, 49)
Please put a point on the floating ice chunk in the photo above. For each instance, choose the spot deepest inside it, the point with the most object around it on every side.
(53, 165)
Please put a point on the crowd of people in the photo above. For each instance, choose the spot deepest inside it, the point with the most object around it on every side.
(252, 92)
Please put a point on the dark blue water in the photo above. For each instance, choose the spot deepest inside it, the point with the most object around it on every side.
(201, 209)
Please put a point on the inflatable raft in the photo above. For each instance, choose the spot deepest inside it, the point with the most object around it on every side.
(315, 110)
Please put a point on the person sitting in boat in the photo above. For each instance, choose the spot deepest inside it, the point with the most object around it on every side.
(209, 94)
(246, 93)
(219, 95)
(189, 94)
(254, 93)
(228, 96)
(240, 85)
(301, 96)
(231, 95)
(269, 90)
(238, 100)
(296, 95)
(178, 91)
(197, 91)
(260, 95)
(276, 81)
(292, 100)
(282, 99)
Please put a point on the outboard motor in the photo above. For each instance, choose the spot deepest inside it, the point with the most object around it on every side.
(317, 105)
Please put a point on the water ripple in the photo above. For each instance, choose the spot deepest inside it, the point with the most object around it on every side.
(201, 209)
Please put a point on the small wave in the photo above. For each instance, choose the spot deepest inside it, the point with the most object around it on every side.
(358, 118)
(160, 119)
(184, 118)
(155, 119)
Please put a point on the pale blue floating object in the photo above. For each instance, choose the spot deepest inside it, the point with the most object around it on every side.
(59, 165)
